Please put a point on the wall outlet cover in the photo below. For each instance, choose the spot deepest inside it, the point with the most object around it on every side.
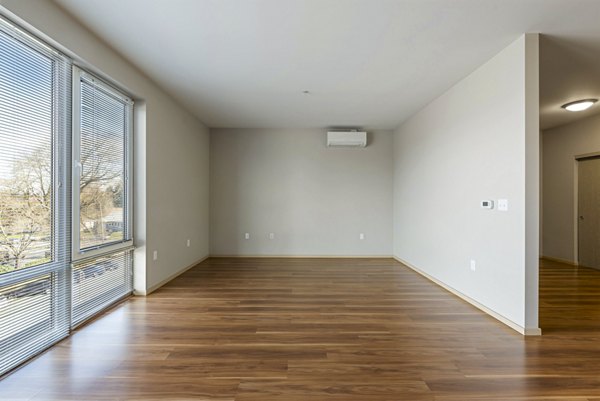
(503, 205)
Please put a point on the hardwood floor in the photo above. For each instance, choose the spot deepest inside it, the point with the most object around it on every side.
(322, 329)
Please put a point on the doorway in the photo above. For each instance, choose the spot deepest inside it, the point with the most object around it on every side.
(588, 212)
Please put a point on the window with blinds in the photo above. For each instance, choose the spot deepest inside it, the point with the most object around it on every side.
(98, 282)
(34, 219)
(65, 196)
(101, 154)
(101, 195)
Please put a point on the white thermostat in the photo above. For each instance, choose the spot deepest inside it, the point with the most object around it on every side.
(487, 204)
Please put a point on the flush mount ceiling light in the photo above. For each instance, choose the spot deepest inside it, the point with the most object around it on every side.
(579, 105)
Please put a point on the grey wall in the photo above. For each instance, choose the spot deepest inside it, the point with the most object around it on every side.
(316, 200)
(172, 150)
(560, 147)
(468, 145)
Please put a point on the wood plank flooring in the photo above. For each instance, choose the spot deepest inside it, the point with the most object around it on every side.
(322, 329)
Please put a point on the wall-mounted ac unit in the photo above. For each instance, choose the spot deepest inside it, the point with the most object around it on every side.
(353, 139)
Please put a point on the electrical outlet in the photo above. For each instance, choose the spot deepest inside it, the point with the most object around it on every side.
(271, 235)
(473, 265)
(188, 243)
(155, 255)
(361, 236)
(247, 236)
(503, 205)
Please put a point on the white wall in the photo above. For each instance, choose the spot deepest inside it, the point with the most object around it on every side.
(477, 141)
(468, 145)
(560, 147)
(172, 186)
(315, 199)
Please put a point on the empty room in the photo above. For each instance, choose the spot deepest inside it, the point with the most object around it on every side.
(346, 200)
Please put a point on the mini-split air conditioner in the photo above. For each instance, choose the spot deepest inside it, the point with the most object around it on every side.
(348, 139)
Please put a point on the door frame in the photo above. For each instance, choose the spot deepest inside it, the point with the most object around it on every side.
(576, 160)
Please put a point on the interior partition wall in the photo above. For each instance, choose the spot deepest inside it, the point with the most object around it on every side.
(50, 279)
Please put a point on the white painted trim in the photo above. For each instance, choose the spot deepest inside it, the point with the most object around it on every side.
(587, 155)
(171, 277)
(509, 323)
(307, 256)
(536, 331)
(559, 260)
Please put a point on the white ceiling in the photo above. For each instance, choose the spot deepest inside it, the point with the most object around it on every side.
(569, 71)
(366, 63)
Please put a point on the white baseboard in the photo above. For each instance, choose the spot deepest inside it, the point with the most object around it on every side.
(559, 260)
(536, 331)
(306, 256)
(495, 315)
(171, 277)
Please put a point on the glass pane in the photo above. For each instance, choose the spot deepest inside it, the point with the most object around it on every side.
(100, 282)
(25, 156)
(25, 308)
(102, 183)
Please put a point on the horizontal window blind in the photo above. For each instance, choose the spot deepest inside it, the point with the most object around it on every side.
(35, 119)
(33, 316)
(100, 282)
(102, 269)
(102, 155)
(65, 195)
(26, 179)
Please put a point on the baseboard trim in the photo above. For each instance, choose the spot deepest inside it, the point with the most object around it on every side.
(305, 256)
(171, 277)
(521, 330)
(559, 260)
(533, 332)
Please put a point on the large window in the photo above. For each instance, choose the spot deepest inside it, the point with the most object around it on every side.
(102, 133)
(101, 156)
(34, 234)
(65, 195)
(26, 173)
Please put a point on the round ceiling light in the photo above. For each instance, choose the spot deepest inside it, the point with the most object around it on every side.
(579, 105)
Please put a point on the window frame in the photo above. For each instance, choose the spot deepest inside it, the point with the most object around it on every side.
(78, 254)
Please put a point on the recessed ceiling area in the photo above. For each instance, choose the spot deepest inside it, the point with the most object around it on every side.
(365, 63)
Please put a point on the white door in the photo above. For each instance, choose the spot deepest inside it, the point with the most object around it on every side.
(589, 212)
